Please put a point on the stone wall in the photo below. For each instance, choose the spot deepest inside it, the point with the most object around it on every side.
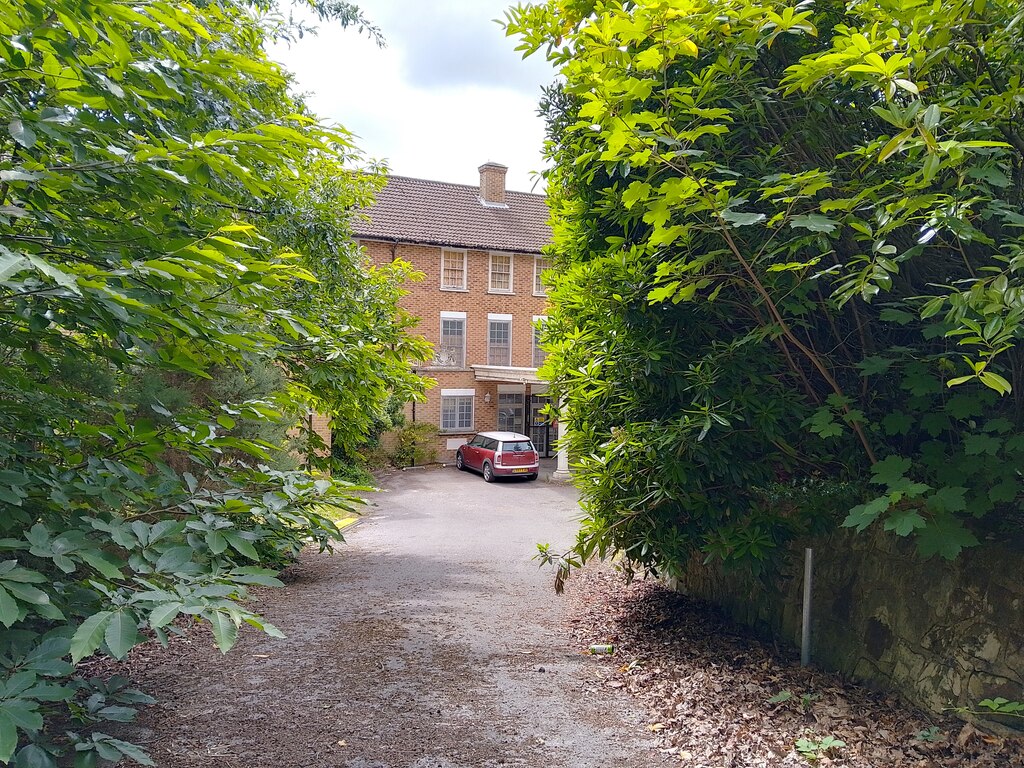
(943, 634)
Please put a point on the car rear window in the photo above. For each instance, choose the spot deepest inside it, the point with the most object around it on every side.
(518, 446)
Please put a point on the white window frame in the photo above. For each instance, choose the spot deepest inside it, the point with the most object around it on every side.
(465, 268)
(537, 259)
(499, 318)
(458, 394)
(440, 339)
(511, 273)
(538, 321)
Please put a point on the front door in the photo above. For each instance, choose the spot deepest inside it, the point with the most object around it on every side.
(510, 412)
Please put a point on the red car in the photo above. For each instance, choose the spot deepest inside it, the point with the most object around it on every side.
(499, 454)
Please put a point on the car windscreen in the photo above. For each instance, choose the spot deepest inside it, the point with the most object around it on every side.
(517, 446)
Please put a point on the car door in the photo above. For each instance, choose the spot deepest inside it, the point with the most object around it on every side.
(470, 453)
(486, 452)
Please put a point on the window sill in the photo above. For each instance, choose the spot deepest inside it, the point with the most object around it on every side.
(470, 431)
(449, 368)
(455, 290)
(502, 293)
(541, 295)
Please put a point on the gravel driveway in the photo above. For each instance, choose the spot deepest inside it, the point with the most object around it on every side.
(431, 640)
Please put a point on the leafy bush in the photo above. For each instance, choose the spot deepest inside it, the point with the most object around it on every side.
(157, 342)
(415, 445)
(787, 246)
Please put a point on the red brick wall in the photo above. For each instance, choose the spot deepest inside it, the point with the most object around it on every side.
(427, 301)
(492, 182)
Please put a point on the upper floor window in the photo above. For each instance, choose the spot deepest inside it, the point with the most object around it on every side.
(451, 351)
(499, 339)
(501, 273)
(453, 270)
(541, 264)
(539, 355)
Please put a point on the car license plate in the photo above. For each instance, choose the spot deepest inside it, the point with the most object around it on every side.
(521, 469)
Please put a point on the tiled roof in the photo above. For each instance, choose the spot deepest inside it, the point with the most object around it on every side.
(438, 213)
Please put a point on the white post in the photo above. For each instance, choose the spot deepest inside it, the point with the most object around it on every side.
(805, 630)
(562, 472)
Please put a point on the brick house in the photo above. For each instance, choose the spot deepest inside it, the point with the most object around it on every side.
(481, 301)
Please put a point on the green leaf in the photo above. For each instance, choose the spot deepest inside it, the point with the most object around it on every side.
(652, 58)
(174, 559)
(18, 174)
(636, 192)
(262, 577)
(863, 515)
(27, 593)
(874, 365)
(994, 381)
(118, 714)
(889, 470)
(23, 713)
(22, 133)
(894, 145)
(34, 756)
(122, 633)
(131, 751)
(946, 536)
(898, 423)
(948, 499)
(102, 562)
(741, 218)
(164, 614)
(216, 542)
(1006, 491)
(225, 631)
(907, 85)
(8, 738)
(87, 638)
(241, 544)
(904, 522)
(9, 610)
(814, 222)
(978, 444)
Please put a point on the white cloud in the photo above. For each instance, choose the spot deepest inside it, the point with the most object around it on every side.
(447, 93)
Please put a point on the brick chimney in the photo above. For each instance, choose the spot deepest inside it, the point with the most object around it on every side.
(492, 183)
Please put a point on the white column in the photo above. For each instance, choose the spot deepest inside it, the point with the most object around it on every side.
(562, 472)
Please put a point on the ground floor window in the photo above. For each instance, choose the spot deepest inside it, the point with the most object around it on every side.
(456, 412)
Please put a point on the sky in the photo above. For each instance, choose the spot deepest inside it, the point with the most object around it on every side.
(447, 93)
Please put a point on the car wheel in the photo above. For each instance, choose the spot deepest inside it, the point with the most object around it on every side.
(459, 463)
(488, 473)
(531, 477)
